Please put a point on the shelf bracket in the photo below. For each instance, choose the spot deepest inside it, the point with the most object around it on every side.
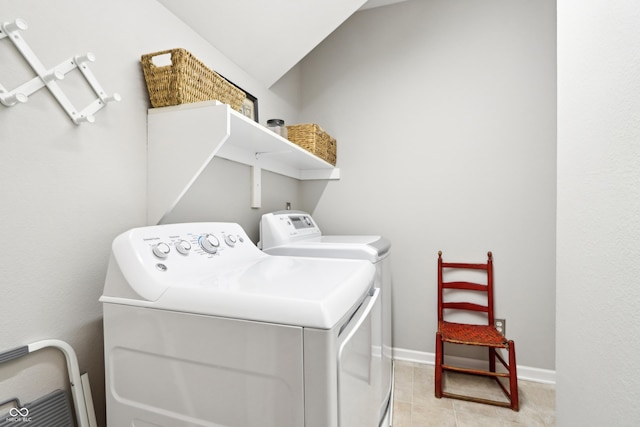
(256, 187)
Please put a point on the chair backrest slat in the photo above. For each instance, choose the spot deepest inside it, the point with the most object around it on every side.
(464, 265)
(465, 306)
(469, 286)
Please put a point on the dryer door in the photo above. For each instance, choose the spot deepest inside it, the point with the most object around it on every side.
(359, 369)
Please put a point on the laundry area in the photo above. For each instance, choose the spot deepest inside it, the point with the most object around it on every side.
(267, 256)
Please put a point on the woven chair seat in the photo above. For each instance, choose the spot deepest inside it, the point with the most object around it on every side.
(472, 334)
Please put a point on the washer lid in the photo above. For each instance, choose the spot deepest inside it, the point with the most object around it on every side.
(297, 291)
(215, 269)
(369, 248)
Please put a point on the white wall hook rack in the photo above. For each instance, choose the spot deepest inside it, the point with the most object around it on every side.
(49, 77)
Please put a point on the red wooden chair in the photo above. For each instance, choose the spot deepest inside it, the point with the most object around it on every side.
(484, 335)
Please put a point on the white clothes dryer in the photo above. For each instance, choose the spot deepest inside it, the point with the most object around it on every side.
(201, 328)
(295, 233)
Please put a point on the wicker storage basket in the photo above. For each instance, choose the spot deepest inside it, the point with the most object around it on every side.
(312, 138)
(186, 80)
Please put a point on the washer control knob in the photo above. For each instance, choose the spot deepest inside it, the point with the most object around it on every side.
(161, 250)
(183, 247)
(230, 240)
(209, 243)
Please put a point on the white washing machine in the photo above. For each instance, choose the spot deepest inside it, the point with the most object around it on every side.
(295, 233)
(201, 328)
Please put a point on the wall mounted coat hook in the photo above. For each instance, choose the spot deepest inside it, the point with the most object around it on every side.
(87, 57)
(88, 118)
(13, 98)
(53, 76)
(48, 77)
(11, 27)
(113, 98)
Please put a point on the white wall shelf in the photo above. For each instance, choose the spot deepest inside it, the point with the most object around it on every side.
(183, 139)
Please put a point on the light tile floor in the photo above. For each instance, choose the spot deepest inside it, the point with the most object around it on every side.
(416, 406)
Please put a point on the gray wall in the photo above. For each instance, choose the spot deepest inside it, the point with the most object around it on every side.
(598, 204)
(67, 191)
(445, 115)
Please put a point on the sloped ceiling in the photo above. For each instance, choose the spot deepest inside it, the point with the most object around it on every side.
(266, 38)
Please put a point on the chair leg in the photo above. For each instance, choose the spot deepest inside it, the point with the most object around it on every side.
(513, 377)
(492, 359)
(438, 363)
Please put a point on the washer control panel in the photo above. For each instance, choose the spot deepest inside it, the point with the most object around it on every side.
(155, 258)
(190, 249)
(192, 243)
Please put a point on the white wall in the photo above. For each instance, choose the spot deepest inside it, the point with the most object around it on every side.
(68, 190)
(445, 116)
(598, 243)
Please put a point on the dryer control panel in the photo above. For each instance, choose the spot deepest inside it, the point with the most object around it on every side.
(284, 227)
(301, 222)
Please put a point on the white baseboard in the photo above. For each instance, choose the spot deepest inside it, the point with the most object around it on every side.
(525, 373)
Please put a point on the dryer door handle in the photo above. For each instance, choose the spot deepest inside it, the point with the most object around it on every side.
(363, 316)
